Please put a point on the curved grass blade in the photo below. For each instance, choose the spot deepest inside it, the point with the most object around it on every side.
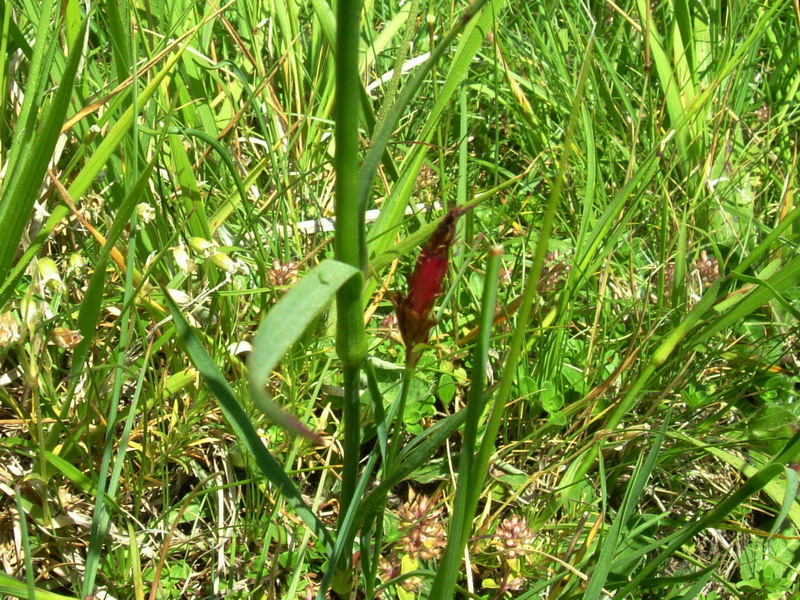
(243, 427)
(771, 289)
(633, 492)
(733, 500)
(381, 136)
(393, 208)
(413, 456)
(783, 494)
(283, 325)
(41, 59)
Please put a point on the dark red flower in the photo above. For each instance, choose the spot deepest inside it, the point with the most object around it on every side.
(425, 283)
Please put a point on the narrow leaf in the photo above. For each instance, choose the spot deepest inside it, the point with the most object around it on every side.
(17, 204)
(417, 453)
(17, 589)
(283, 325)
(243, 427)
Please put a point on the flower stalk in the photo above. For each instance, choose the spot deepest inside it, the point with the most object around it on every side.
(350, 248)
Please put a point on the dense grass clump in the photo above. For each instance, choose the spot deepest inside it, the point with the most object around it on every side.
(584, 216)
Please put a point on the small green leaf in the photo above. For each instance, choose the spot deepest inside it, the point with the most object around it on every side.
(551, 400)
(527, 387)
(461, 375)
(447, 389)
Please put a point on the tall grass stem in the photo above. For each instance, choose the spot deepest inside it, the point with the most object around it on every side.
(462, 512)
(350, 248)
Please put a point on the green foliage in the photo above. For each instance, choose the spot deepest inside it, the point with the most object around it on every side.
(768, 568)
(167, 280)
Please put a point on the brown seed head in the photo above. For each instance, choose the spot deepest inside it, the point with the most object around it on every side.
(424, 535)
(513, 537)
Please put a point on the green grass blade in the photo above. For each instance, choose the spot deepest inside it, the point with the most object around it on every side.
(471, 471)
(633, 492)
(243, 427)
(704, 576)
(40, 62)
(789, 503)
(17, 589)
(458, 69)
(16, 36)
(91, 307)
(18, 200)
(345, 527)
(669, 83)
(782, 494)
(25, 542)
(283, 326)
(84, 179)
(107, 482)
(532, 279)
(767, 245)
(732, 501)
(394, 206)
(416, 239)
(660, 355)
(784, 280)
(412, 457)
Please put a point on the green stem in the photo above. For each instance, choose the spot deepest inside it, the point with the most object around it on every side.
(343, 581)
(350, 244)
(375, 520)
(350, 248)
(372, 540)
(470, 475)
(396, 417)
(350, 239)
(474, 469)
(531, 285)
(352, 438)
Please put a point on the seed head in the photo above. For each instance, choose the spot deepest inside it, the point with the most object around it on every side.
(283, 273)
(411, 584)
(513, 537)
(9, 329)
(424, 535)
(184, 262)
(202, 247)
(49, 277)
(224, 262)
(707, 268)
(67, 338)
(145, 212)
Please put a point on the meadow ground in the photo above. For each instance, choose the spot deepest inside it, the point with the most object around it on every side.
(204, 390)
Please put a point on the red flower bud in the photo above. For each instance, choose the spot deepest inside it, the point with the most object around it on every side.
(425, 283)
